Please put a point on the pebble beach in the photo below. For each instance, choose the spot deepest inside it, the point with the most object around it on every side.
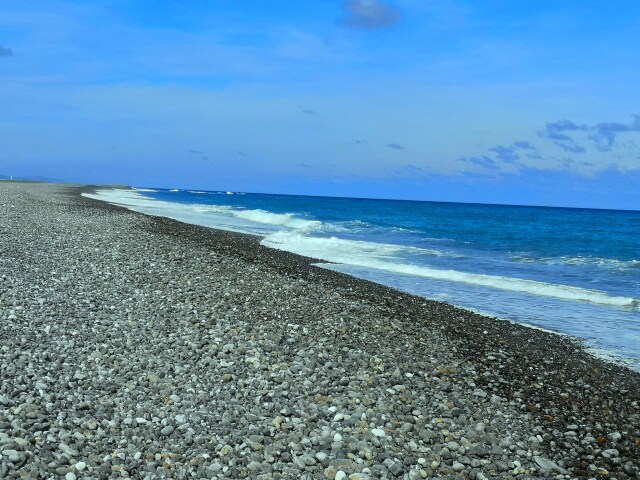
(134, 346)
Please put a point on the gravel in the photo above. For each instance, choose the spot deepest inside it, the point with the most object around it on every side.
(135, 346)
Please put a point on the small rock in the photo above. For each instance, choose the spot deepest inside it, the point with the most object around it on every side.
(396, 469)
(547, 465)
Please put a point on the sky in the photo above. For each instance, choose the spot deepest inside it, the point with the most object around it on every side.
(485, 101)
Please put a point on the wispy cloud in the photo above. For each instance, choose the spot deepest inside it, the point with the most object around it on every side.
(482, 161)
(558, 132)
(523, 145)
(409, 170)
(572, 138)
(198, 153)
(5, 52)
(605, 134)
(395, 146)
(370, 14)
(569, 163)
(506, 154)
(511, 154)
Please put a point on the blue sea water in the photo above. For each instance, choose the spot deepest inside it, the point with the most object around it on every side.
(572, 271)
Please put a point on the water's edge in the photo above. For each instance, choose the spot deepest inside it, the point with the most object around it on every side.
(592, 350)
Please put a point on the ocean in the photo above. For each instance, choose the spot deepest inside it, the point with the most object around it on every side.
(570, 271)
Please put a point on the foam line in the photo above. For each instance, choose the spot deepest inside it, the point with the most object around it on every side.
(381, 257)
(284, 219)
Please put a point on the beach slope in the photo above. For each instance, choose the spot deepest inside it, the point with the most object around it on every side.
(138, 346)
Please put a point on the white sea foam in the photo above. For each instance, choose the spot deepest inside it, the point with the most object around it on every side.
(121, 197)
(609, 263)
(216, 216)
(613, 357)
(174, 190)
(144, 190)
(384, 257)
(284, 219)
(337, 250)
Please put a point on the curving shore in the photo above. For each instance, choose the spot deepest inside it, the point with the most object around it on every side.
(141, 347)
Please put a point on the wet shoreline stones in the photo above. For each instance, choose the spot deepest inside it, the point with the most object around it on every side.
(140, 347)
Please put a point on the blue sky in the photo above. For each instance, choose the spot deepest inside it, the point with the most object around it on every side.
(485, 100)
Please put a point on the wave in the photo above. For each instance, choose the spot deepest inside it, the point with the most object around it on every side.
(389, 258)
(121, 197)
(609, 263)
(216, 216)
(174, 190)
(283, 219)
(600, 262)
(144, 190)
(198, 192)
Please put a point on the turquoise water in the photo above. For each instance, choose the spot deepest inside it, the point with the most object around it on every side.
(573, 271)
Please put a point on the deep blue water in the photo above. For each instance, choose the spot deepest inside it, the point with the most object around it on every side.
(574, 271)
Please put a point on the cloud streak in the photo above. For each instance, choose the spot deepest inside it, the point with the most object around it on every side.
(409, 170)
(198, 153)
(370, 14)
(559, 133)
(506, 154)
(395, 146)
(572, 138)
(482, 161)
(5, 52)
(603, 135)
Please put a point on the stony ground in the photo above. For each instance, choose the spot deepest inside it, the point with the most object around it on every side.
(143, 348)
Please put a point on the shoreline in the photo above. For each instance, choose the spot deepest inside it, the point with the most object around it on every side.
(591, 349)
(549, 383)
